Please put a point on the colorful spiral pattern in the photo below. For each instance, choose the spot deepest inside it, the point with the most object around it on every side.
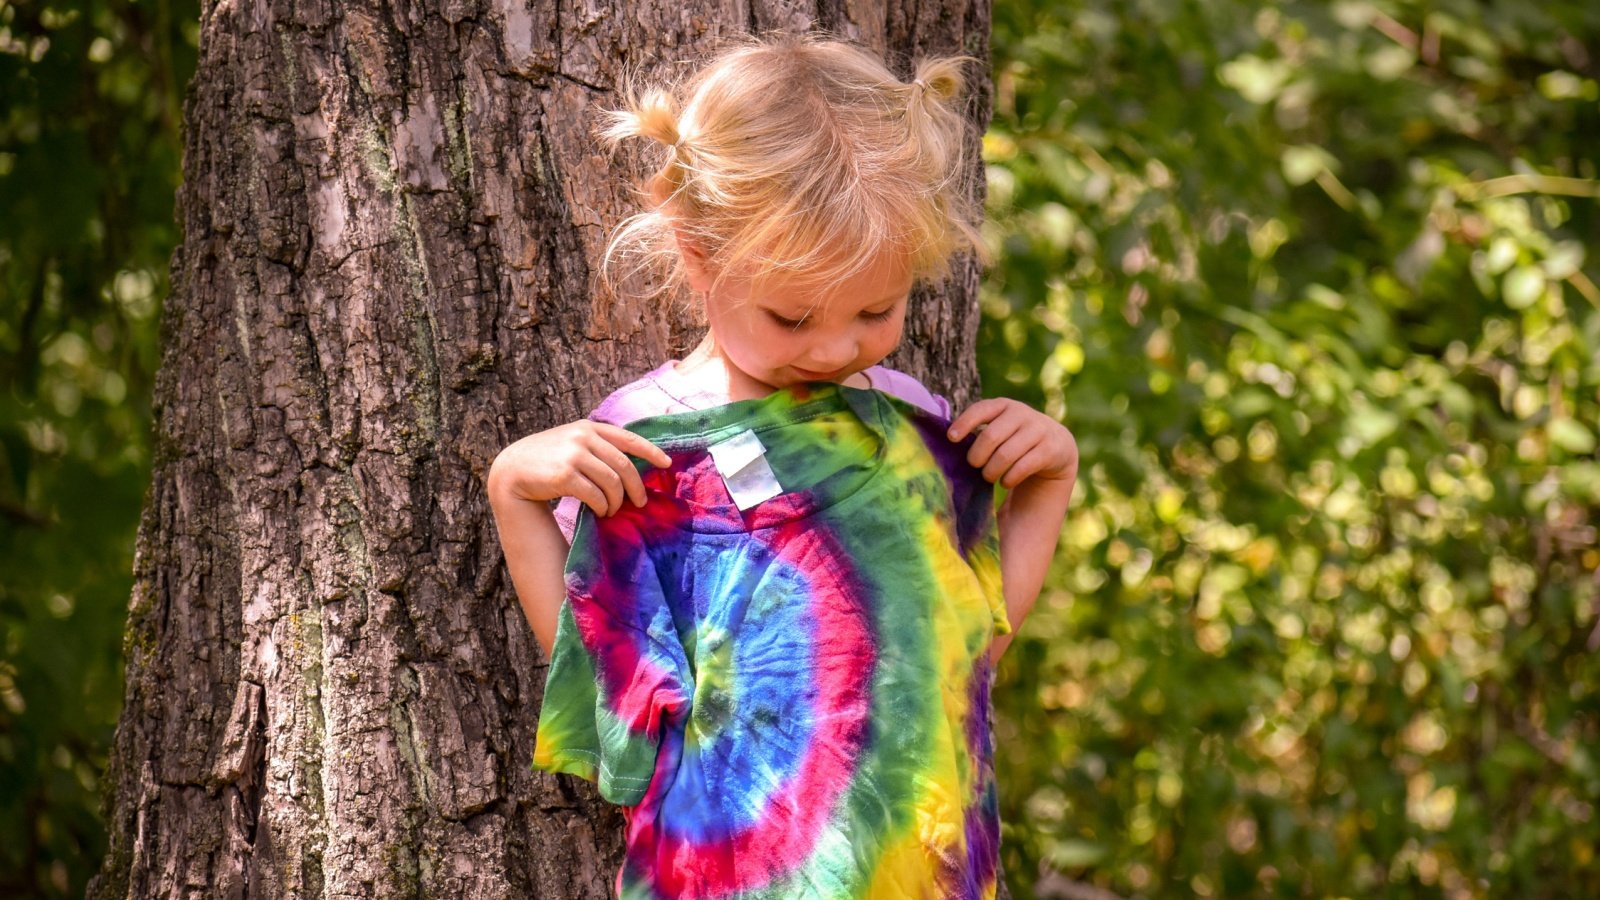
(790, 700)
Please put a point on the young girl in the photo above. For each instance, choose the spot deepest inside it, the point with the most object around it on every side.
(773, 629)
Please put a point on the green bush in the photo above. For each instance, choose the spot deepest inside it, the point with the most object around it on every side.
(1311, 284)
(90, 97)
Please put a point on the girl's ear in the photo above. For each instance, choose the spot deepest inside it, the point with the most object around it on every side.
(695, 262)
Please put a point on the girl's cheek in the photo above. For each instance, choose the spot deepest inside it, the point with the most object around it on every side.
(884, 345)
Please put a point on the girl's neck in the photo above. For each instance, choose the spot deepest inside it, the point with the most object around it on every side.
(709, 369)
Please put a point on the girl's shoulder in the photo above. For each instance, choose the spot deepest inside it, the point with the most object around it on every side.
(908, 388)
(651, 394)
(644, 396)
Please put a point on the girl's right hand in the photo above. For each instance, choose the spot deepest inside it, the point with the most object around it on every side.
(583, 459)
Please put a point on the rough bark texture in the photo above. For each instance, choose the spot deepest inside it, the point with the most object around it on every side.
(390, 212)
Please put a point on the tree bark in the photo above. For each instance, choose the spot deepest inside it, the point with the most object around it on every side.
(390, 214)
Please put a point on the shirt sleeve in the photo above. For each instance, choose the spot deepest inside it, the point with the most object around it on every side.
(565, 510)
(978, 530)
(618, 676)
(910, 390)
(984, 557)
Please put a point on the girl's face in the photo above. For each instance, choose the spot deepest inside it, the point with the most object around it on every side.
(787, 335)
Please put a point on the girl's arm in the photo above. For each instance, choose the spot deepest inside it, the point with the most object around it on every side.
(585, 459)
(1030, 522)
(1036, 457)
(536, 555)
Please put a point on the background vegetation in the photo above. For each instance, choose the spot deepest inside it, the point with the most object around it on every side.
(90, 111)
(1313, 285)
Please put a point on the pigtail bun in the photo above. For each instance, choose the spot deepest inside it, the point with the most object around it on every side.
(936, 125)
(937, 136)
(939, 79)
(651, 113)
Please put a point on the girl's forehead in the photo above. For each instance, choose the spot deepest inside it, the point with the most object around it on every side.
(885, 279)
(845, 299)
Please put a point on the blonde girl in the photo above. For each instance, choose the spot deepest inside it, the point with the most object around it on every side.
(803, 191)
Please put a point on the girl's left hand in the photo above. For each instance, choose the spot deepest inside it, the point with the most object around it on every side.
(1017, 442)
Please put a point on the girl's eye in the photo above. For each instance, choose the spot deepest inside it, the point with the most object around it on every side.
(793, 323)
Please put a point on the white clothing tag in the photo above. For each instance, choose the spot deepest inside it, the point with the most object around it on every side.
(743, 463)
(736, 452)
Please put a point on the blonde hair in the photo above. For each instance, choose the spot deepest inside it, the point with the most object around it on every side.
(802, 157)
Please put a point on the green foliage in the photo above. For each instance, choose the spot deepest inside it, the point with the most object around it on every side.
(89, 120)
(1313, 285)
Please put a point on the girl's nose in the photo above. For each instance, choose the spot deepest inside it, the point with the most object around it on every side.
(838, 358)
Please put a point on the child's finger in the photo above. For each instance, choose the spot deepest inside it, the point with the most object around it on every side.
(972, 417)
(1026, 464)
(627, 473)
(634, 483)
(635, 444)
(1005, 456)
(995, 435)
(604, 475)
(590, 495)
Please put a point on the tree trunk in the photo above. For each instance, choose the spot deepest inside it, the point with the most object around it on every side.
(390, 213)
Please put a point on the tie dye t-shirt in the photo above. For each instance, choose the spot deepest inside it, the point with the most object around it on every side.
(792, 699)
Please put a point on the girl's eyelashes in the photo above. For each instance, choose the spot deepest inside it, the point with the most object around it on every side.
(796, 323)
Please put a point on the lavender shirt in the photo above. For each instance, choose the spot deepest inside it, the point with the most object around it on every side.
(663, 390)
